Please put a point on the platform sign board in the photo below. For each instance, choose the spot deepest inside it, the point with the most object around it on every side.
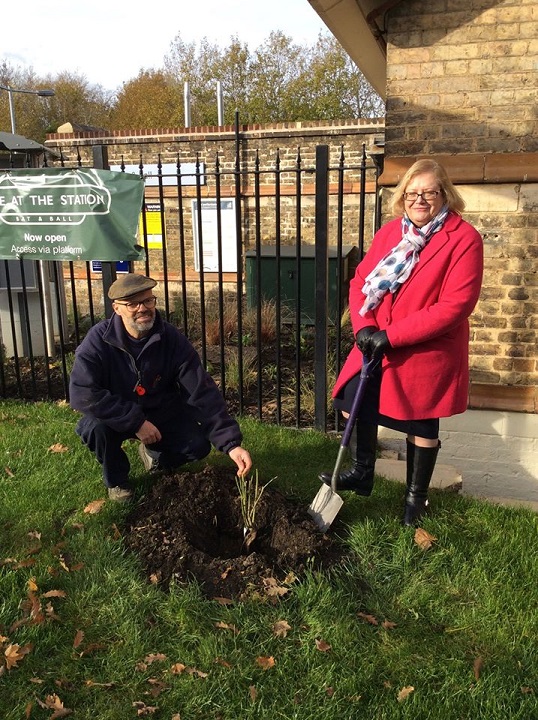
(70, 214)
(167, 173)
(154, 224)
(208, 217)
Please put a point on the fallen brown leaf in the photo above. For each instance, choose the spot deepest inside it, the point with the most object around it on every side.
(322, 646)
(477, 667)
(154, 657)
(371, 619)
(14, 653)
(66, 562)
(223, 601)
(33, 607)
(58, 448)
(94, 507)
(404, 693)
(8, 472)
(280, 628)
(221, 661)
(290, 578)
(178, 668)
(143, 710)
(423, 539)
(24, 564)
(32, 585)
(273, 588)
(53, 702)
(227, 626)
(329, 691)
(79, 637)
(157, 686)
(54, 593)
(388, 625)
(91, 683)
(265, 662)
(253, 693)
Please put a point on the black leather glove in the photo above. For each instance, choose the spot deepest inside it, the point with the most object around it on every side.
(363, 335)
(378, 344)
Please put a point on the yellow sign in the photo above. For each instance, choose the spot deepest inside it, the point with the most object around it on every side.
(154, 225)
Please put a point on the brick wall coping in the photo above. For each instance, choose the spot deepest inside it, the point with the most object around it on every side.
(224, 132)
(470, 168)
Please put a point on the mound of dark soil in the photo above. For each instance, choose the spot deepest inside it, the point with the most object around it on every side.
(189, 526)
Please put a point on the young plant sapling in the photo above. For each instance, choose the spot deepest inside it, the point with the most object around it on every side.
(250, 494)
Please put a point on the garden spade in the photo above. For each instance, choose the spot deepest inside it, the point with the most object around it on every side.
(325, 506)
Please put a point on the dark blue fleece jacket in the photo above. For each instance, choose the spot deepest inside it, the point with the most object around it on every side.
(167, 378)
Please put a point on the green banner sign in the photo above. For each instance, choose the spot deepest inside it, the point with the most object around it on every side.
(70, 214)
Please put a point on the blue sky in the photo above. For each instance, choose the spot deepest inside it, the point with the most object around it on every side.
(108, 41)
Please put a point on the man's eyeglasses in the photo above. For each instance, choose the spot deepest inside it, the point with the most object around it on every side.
(428, 195)
(133, 305)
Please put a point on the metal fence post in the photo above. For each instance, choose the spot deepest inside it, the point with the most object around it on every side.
(321, 268)
(108, 269)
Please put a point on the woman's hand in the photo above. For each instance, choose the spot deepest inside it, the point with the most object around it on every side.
(363, 336)
(377, 345)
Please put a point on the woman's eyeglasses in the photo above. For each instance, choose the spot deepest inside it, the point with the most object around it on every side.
(428, 195)
(133, 305)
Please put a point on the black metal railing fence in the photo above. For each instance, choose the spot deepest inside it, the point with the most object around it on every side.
(260, 290)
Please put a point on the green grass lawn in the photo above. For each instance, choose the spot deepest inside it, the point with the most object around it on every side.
(447, 633)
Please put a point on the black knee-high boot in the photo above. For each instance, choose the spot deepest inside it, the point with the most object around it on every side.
(363, 450)
(420, 465)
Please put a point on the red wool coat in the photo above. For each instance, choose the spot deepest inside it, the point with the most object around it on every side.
(426, 373)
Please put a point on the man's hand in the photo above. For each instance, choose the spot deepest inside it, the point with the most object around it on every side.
(148, 433)
(363, 336)
(378, 344)
(242, 459)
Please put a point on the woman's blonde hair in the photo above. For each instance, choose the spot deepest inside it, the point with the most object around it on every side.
(451, 196)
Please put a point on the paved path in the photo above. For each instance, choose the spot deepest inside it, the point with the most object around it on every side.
(392, 465)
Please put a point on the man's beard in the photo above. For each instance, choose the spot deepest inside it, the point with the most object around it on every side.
(141, 325)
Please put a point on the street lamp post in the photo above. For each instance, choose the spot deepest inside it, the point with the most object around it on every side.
(10, 91)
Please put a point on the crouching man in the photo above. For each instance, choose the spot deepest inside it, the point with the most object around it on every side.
(137, 376)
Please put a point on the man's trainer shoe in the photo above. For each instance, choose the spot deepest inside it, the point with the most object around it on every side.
(150, 464)
(120, 494)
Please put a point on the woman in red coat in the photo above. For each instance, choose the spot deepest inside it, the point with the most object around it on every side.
(410, 301)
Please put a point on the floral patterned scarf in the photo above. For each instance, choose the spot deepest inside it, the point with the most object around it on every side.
(396, 266)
